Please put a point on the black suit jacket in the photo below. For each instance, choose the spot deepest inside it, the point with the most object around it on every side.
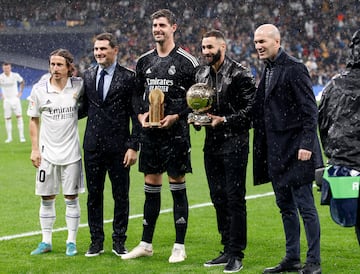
(285, 120)
(108, 122)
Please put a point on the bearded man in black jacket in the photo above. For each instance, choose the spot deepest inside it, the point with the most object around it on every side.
(227, 146)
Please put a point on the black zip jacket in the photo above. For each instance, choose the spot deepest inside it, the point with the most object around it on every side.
(234, 88)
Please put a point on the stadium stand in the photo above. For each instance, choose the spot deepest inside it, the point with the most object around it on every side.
(315, 31)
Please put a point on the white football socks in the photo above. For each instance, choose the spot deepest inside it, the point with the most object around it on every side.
(72, 217)
(20, 125)
(8, 126)
(47, 219)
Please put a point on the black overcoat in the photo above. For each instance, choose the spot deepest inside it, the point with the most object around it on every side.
(285, 120)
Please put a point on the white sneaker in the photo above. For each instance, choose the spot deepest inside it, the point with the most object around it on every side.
(8, 140)
(22, 140)
(142, 250)
(178, 254)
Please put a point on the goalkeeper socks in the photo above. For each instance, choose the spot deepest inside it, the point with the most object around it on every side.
(47, 219)
(181, 210)
(72, 217)
(151, 210)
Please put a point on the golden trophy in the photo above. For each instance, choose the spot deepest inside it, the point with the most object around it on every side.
(156, 107)
(199, 98)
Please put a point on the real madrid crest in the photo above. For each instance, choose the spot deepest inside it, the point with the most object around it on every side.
(172, 70)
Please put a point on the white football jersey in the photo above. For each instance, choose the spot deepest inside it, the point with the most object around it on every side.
(9, 84)
(59, 138)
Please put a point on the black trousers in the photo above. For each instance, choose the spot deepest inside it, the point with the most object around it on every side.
(292, 201)
(226, 175)
(96, 166)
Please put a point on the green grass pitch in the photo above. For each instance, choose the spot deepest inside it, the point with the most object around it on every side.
(19, 229)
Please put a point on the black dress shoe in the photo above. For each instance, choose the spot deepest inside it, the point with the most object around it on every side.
(233, 265)
(220, 260)
(284, 266)
(95, 249)
(119, 248)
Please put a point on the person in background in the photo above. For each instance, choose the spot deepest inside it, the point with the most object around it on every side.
(226, 146)
(339, 118)
(55, 147)
(167, 148)
(286, 147)
(12, 86)
(110, 143)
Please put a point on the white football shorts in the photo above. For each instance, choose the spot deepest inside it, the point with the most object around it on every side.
(12, 105)
(49, 177)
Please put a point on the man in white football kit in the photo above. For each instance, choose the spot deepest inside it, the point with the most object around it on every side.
(11, 93)
(55, 150)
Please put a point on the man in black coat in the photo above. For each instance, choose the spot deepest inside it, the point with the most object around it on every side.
(339, 118)
(109, 147)
(286, 147)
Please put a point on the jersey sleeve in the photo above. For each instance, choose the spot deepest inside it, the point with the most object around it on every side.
(33, 107)
(18, 77)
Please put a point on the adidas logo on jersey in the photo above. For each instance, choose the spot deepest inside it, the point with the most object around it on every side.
(148, 71)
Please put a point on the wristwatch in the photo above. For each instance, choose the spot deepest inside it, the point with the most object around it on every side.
(225, 121)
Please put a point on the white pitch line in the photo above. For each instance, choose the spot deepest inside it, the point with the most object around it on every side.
(33, 233)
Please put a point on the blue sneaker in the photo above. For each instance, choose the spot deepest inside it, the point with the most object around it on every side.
(42, 248)
(71, 249)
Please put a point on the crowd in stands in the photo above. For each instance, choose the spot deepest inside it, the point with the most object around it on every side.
(315, 31)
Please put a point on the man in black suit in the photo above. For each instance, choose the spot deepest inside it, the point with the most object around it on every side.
(286, 146)
(109, 146)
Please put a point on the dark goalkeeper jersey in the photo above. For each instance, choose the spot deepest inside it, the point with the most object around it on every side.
(173, 74)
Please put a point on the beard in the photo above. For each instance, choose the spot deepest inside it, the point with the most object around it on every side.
(215, 58)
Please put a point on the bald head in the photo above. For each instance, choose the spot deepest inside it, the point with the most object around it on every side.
(269, 30)
(267, 41)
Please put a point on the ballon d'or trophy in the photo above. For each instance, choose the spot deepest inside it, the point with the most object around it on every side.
(156, 107)
(199, 98)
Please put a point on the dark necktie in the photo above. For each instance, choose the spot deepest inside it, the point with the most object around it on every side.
(101, 84)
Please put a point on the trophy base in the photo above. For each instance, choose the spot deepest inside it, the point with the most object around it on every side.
(199, 119)
(155, 124)
(202, 124)
(152, 124)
